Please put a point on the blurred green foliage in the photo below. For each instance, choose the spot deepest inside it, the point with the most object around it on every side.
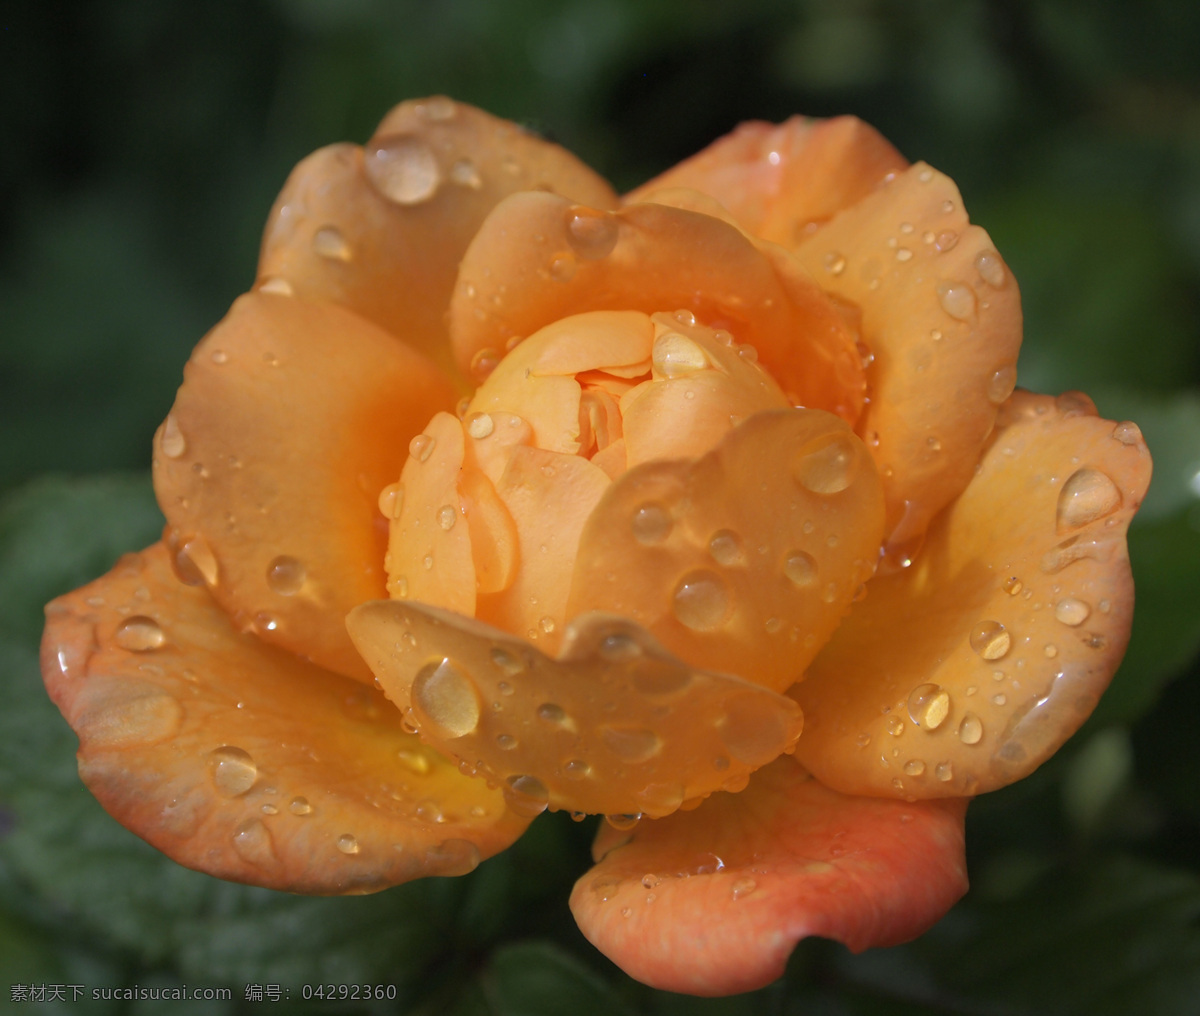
(142, 144)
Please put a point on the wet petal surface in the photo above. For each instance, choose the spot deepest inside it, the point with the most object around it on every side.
(746, 559)
(712, 901)
(941, 316)
(291, 419)
(615, 725)
(969, 669)
(779, 181)
(381, 229)
(242, 761)
(538, 258)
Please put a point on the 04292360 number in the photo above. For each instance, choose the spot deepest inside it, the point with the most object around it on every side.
(349, 991)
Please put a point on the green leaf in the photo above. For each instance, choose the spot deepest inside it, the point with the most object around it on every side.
(541, 979)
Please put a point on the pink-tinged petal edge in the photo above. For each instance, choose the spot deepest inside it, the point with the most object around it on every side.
(713, 901)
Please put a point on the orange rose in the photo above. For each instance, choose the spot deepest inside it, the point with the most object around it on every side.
(735, 455)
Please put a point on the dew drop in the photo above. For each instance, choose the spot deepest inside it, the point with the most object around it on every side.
(903, 254)
(800, 569)
(547, 625)
(835, 263)
(1013, 585)
(526, 795)
(928, 705)
(300, 806)
(506, 742)
(675, 355)
(701, 601)
(484, 362)
(990, 267)
(1050, 650)
(592, 234)
(172, 442)
(286, 575)
(944, 771)
(957, 299)
(1072, 611)
(990, 639)
(447, 698)
(233, 770)
(551, 712)
(726, 548)
(276, 285)
(140, 634)
(743, 887)
(828, 464)
(446, 517)
(329, 243)
(563, 267)
(632, 744)
(252, 841)
(508, 665)
(1127, 433)
(895, 726)
(914, 767)
(347, 844)
(466, 174)
(403, 169)
(651, 523)
(480, 425)
(415, 761)
(421, 447)
(753, 732)
(623, 823)
(970, 730)
(576, 769)
(391, 501)
(1001, 384)
(1087, 495)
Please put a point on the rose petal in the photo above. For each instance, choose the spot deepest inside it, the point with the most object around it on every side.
(776, 180)
(291, 418)
(712, 901)
(241, 760)
(381, 231)
(942, 317)
(746, 559)
(922, 693)
(538, 258)
(615, 725)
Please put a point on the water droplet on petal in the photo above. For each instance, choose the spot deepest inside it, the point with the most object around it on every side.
(946, 240)
(438, 108)
(592, 234)
(300, 806)
(701, 601)
(957, 299)
(928, 706)
(651, 523)
(508, 664)
(276, 285)
(465, 174)
(834, 263)
(576, 769)
(633, 744)
(623, 823)
(743, 887)
(391, 501)
(140, 634)
(753, 732)
(447, 698)
(895, 726)
(480, 425)
(563, 267)
(1072, 611)
(526, 795)
(944, 772)
(1127, 433)
(990, 267)
(172, 442)
(675, 355)
(403, 169)
(252, 841)
(347, 844)
(726, 548)
(329, 243)
(970, 730)
(446, 517)
(914, 767)
(828, 464)
(421, 447)
(1087, 495)
(286, 575)
(233, 770)
(990, 639)
(1001, 384)
(800, 569)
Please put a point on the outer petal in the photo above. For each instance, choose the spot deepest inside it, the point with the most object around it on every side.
(538, 258)
(780, 181)
(291, 418)
(712, 902)
(942, 317)
(967, 671)
(242, 761)
(382, 230)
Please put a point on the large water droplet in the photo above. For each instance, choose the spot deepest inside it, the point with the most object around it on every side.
(752, 731)
(172, 441)
(391, 501)
(1087, 495)
(676, 355)
(139, 634)
(480, 425)
(970, 730)
(403, 169)
(623, 823)
(233, 770)
(1072, 611)
(914, 767)
(957, 299)
(633, 744)
(928, 706)
(828, 464)
(944, 772)
(300, 806)
(526, 795)
(701, 601)
(800, 569)
(1001, 384)
(651, 523)
(447, 515)
(990, 267)
(447, 698)
(347, 844)
(329, 243)
(592, 234)
(508, 664)
(286, 575)
(1127, 433)
(726, 548)
(990, 639)
(252, 841)
(421, 447)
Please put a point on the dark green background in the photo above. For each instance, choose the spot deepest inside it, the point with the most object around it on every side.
(141, 144)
